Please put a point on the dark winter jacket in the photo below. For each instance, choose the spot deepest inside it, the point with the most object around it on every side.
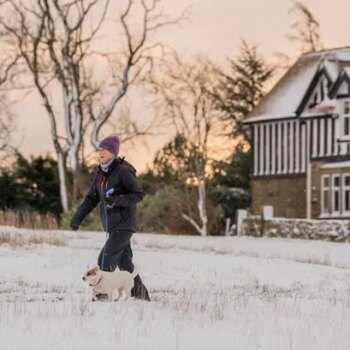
(121, 177)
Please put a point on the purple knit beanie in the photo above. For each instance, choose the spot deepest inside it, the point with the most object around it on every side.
(111, 144)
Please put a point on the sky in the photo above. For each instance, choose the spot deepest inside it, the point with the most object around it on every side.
(215, 30)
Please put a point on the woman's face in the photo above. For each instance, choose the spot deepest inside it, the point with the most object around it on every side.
(104, 156)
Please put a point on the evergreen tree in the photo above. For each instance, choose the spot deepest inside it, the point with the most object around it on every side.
(231, 182)
(39, 184)
(240, 89)
(175, 162)
(8, 190)
(31, 185)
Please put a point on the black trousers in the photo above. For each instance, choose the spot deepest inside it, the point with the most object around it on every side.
(117, 252)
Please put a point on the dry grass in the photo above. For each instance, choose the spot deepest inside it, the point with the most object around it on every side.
(27, 219)
(23, 239)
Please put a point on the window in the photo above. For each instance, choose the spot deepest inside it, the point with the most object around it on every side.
(336, 194)
(346, 119)
(346, 194)
(346, 107)
(326, 199)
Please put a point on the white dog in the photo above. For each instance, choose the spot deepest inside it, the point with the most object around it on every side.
(109, 283)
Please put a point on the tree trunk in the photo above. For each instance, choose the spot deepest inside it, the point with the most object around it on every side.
(62, 172)
(75, 169)
(77, 184)
(202, 208)
(203, 228)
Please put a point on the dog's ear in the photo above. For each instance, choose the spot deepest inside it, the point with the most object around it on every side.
(93, 271)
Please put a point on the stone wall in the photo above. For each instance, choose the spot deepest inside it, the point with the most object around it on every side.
(329, 230)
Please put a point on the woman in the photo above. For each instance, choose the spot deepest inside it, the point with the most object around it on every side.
(117, 189)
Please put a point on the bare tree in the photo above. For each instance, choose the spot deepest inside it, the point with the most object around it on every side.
(54, 41)
(7, 119)
(182, 98)
(306, 30)
(7, 127)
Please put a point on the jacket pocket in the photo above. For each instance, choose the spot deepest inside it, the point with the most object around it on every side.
(117, 215)
(124, 214)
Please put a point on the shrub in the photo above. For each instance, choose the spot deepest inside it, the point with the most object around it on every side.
(162, 212)
(91, 223)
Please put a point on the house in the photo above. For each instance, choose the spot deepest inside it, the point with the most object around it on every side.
(301, 140)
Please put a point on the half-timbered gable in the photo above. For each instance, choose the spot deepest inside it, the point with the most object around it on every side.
(302, 125)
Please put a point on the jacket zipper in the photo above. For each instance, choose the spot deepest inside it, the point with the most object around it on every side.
(103, 193)
(104, 185)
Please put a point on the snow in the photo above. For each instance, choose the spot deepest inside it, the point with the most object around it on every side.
(341, 54)
(309, 115)
(268, 117)
(332, 68)
(335, 165)
(207, 292)
(347, 71)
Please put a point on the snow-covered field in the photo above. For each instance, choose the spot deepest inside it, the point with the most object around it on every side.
(208, 293)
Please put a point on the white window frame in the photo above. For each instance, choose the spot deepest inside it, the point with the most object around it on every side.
(344, 189)
(333, 190)
(323, 189)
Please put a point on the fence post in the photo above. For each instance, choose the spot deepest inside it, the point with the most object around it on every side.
(240, 216)
(267, 214)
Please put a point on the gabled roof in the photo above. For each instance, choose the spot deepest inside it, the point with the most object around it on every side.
(344, 76)
(321, 71)
(286, 97)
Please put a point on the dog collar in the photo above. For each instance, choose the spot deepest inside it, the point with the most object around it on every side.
(94, 285)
